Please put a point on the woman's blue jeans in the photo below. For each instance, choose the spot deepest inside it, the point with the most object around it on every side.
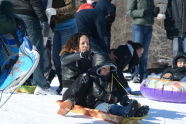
(112, 109)
(142, 34)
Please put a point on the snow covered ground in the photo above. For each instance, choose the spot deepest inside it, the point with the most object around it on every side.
(42, 109)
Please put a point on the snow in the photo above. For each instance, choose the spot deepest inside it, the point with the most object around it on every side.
(42, 109)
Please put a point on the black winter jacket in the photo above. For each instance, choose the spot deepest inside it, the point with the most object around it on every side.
(92, 22)
(126, 55)
(175, 22)
(100, 89)
(73, 65)
(33, 8)
(177, 72)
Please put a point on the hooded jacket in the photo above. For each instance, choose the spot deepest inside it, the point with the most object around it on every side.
(126, 55)
(175, 22)
(177, 72)
(92, 22)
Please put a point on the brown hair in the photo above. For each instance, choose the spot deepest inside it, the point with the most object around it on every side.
(72, 44)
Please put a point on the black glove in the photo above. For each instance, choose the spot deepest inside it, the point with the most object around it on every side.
(156, 11)
(86, 54)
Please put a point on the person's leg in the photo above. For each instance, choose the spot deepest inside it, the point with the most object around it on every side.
(184, 45)
(144, 58)
(125, 111)
(180, 44)
(35, 36)
(138, 33)
(137, 36)
(55, 54)
(175, 46)
(104, 107)
(75, 94)
(60, 38)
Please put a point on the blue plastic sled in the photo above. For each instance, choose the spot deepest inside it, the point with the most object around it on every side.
(18, 60)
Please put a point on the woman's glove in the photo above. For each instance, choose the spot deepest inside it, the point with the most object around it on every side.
(86, 54)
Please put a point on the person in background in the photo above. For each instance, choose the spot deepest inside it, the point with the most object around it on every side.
(76, 58)
(178, 71)
(110, 18)
(64, 25)
(175, 25)
(126, 55)
(142, 13)
(93, 23)
(33, 14)
(90, 4)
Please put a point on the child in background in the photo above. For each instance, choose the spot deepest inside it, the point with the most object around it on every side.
(178, 71)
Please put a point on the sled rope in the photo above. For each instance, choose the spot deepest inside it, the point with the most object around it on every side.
(6, 99)
(113, 77)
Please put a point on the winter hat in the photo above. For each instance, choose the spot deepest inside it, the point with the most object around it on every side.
(182, 59)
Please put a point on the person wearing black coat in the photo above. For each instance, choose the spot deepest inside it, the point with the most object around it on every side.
(178, 71)
(93, 23)
(127, 54)
(76, 58)
(100, 89)
(175, 25)
(33, 14)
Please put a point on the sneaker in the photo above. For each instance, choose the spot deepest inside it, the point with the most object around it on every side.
(142, 111)
(44, 91)
(131, 108)
(65, 107)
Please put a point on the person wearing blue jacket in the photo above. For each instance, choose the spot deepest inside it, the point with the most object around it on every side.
(93, 23)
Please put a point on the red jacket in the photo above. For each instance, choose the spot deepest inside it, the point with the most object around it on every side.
(85, 6)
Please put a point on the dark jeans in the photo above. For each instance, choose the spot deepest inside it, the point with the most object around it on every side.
(60, 38)
(178, 45)
(33, 28)
(142, 34)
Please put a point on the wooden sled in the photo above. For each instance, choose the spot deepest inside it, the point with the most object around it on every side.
(105, 116)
